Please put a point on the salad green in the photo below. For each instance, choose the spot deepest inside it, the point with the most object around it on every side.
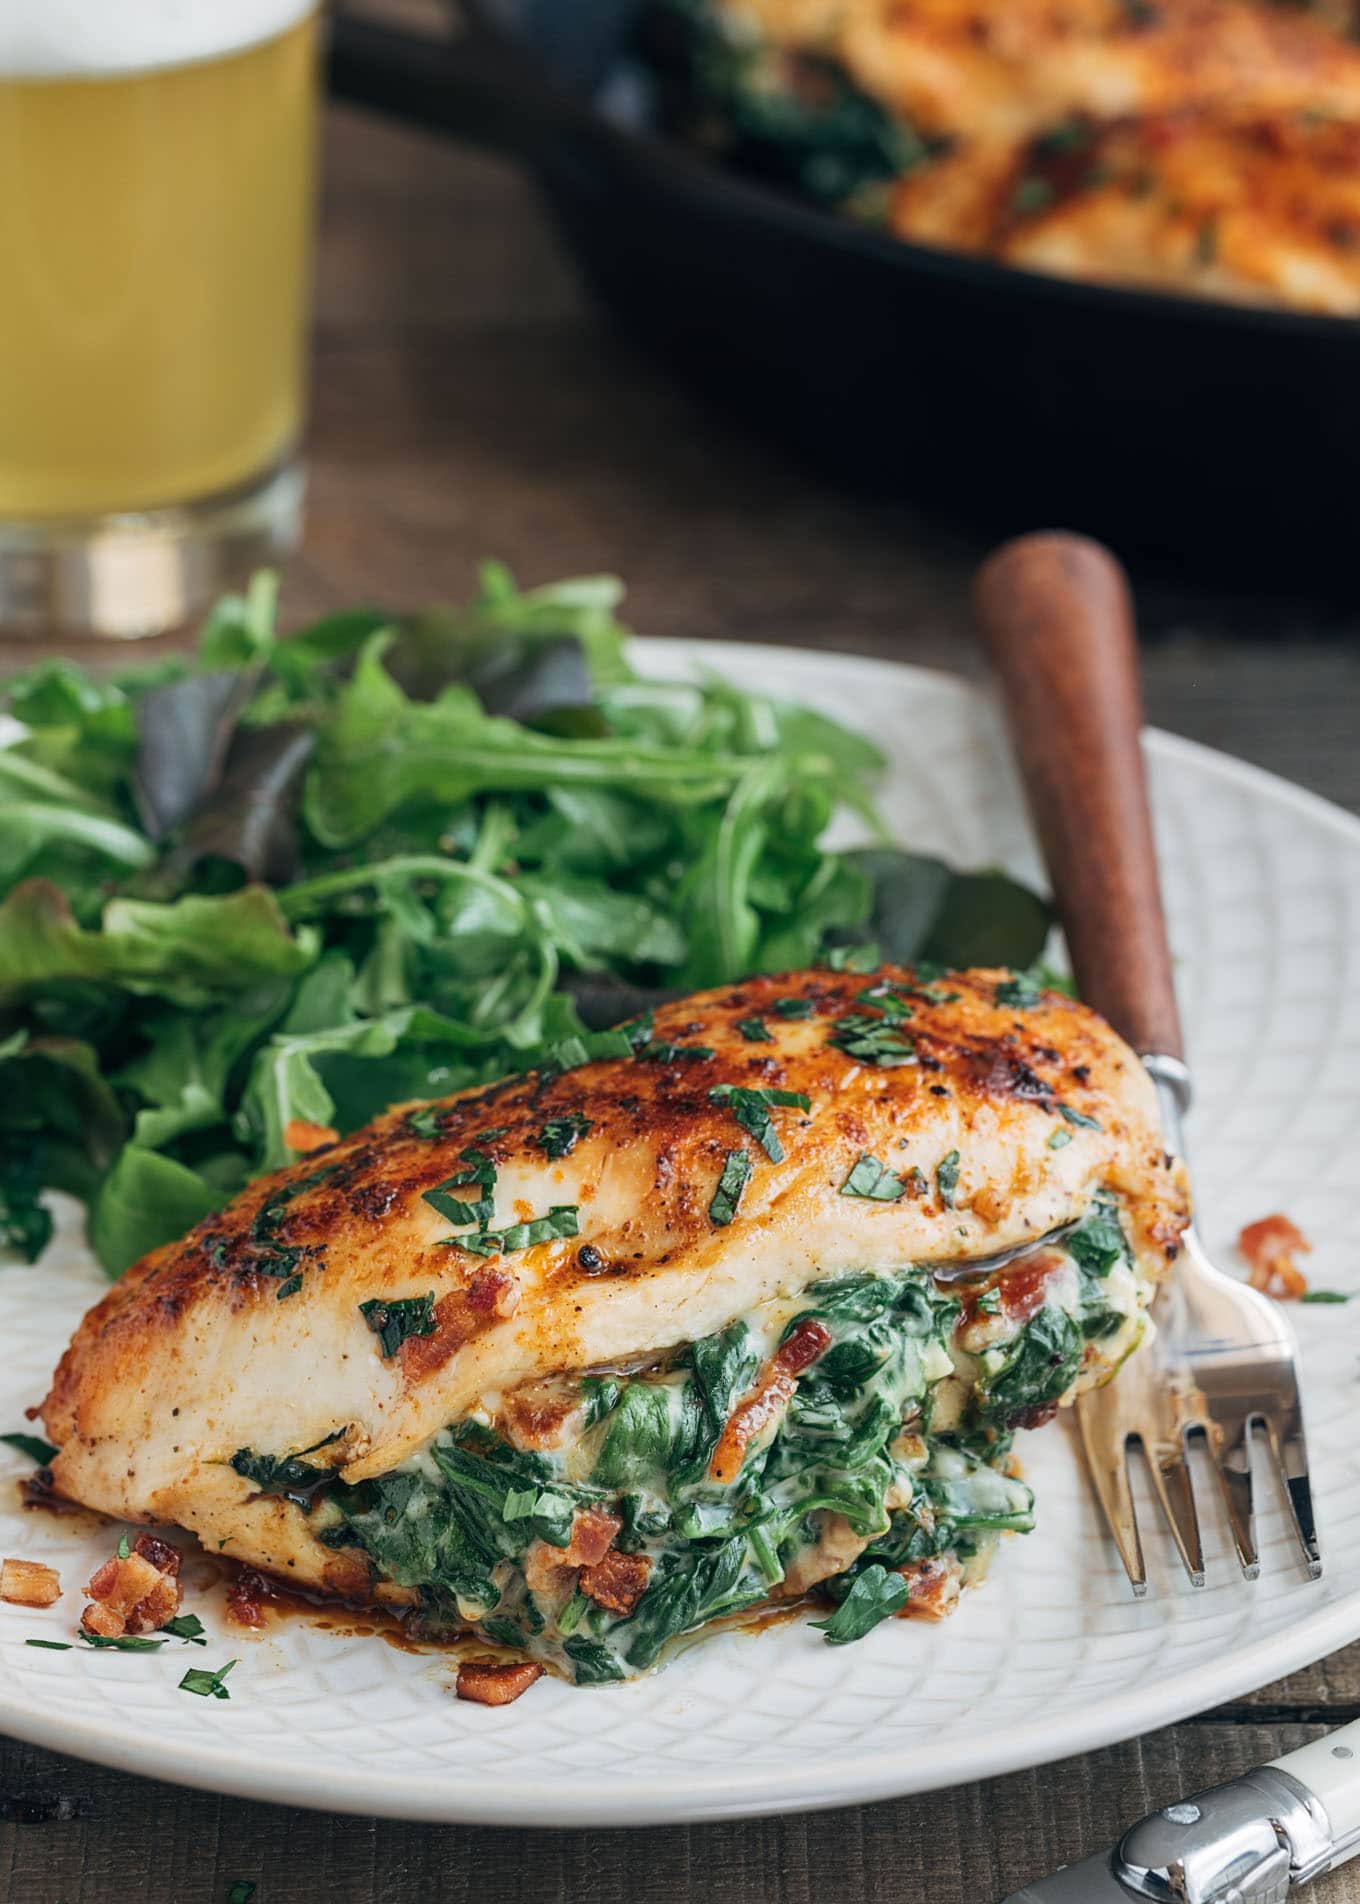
(288, 882)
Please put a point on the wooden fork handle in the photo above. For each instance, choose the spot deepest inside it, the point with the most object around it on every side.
(1057, 619)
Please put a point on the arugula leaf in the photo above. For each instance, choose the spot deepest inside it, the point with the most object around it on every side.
(147, 1199)
(393, 1320)
(875, 1596)
(874, 1180)
(192, 952)
(25, 1220)
(751, 1108)
(736, 1174)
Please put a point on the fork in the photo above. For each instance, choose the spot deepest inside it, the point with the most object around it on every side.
(1057, 619)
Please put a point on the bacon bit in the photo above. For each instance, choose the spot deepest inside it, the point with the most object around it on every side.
(618, 1581)
(247, 1597)
(137, 1594)
(535, 1415)
(768, 1399)
(933, 1588)
(1037, 1415)
(29, 1583)
(1269, 1247)
(593, 1533)
(489, 1297)
(488, 1684)
(1021, 1288)
(299, 1135)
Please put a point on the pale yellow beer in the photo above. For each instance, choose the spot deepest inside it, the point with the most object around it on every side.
(154, 241)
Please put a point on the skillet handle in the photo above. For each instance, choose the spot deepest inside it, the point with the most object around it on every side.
(1057, 620)
(473, 87)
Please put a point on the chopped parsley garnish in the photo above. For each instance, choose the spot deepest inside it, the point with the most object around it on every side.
(562, 1220)
(476, 1169)
(120, 1643)
(124, 1550)
(884, 999)
(751, 1108)
(50, 1646)
(283, 1262)
(736, 1174)
(424, 1123)
(1324, 1295)
(1079, 1118)
(988, 1303)
(872, 1040)
(31, 1445)
(793, 1007)
(393, 1321)
(755, 1031)
(875, 1596)
(560, 1135)
(658, 1051)
(947, 1178)
(241, 1892)
(187, 1627)
(1019, 992)
(1059, 1139)
(208, 1685)
(874, 1181)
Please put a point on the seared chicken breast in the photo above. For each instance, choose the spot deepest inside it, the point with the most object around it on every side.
(1208, 147)
(588, 1357)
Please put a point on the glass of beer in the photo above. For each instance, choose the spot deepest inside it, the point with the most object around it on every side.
(156, 187)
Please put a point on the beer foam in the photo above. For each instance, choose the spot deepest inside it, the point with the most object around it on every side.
(89, 39)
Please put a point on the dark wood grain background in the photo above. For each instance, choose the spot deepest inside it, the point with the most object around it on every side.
(469, 402)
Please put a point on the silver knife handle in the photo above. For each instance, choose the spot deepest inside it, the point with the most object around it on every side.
(1245, 1842)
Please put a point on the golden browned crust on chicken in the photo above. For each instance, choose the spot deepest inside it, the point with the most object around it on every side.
(249, 1332)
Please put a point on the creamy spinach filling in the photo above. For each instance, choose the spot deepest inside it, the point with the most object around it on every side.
(890, 1447)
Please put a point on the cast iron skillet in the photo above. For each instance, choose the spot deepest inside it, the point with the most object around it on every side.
(1196, 430)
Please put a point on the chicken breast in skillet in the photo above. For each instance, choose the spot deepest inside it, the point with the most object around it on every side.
(1209, 147)
(596, 1355)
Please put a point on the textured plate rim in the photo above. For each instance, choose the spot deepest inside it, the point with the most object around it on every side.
(868, 1776)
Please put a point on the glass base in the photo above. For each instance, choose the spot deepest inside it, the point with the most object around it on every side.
(147, 571)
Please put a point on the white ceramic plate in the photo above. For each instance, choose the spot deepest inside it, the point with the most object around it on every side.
(1052, 1655)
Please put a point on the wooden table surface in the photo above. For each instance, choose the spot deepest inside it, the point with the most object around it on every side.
(469, 402)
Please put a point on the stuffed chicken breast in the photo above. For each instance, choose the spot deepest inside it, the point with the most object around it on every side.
(592, 1357)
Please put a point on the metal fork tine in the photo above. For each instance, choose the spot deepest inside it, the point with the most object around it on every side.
(1232, 1463)
(1291, 1458)
(1171, 1483)
(1108, 1467)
